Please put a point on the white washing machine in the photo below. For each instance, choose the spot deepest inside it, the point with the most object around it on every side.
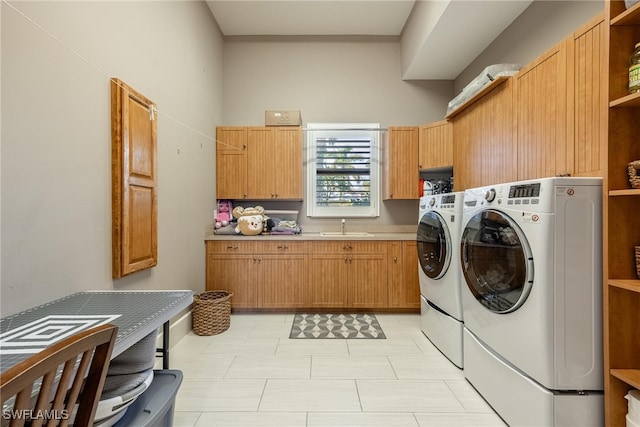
(531, 262)
(438, 256)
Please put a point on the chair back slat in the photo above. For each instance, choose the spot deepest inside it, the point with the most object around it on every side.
(79, 382)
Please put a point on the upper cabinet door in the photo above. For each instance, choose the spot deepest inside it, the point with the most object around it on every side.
(231, 162)
(540, 104)
(134, 180)
(436, 145)
(261, 155)
(587, 98)
(401, 177)
(287, 163)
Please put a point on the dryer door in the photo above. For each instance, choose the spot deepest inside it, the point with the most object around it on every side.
(496, 261)
(434, 245)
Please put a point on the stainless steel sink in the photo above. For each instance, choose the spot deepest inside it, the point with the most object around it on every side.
(346, 234)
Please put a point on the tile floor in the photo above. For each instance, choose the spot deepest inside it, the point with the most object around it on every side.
(254, 375)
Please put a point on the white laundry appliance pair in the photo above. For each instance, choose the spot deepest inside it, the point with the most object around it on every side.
(438, 239)
(531, 261)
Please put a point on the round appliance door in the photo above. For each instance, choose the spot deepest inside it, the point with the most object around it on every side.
(434, 245)
(496, 261)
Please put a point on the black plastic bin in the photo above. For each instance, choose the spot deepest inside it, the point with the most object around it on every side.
(154, 407)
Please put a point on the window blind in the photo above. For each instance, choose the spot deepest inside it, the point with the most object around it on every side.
(343, 171)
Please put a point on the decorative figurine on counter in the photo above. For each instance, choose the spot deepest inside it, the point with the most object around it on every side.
(250, 220)
(223, 213)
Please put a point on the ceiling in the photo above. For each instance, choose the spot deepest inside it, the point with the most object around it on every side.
(440, 38)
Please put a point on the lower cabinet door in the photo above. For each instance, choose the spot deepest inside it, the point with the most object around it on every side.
(327, 280)
(367, 281)
(282, 281)
(236, 274)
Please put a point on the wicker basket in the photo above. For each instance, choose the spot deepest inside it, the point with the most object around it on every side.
(638, 261)
(211, 312)
(634, 173)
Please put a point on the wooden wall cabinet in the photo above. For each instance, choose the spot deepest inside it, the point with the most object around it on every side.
(549, 119)
(485, 150)
(400, 154)
(621, 221)
(404, 285)
(587, 99)
(231, 163)
(435, 145)
(259, 163)
(134, 180)
(541, 104)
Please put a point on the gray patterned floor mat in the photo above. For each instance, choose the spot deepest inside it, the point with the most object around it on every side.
(328, 326)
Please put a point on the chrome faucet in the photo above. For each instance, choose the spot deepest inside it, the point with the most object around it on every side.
(342, 224)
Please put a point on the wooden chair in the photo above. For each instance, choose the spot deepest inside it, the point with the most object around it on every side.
(59, 391)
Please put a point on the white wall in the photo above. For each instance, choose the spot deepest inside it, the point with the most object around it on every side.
(57, 58)
(541, 26)
(335, 79)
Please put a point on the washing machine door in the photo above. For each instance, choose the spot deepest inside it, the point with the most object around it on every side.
(434, 245)
(496, 261)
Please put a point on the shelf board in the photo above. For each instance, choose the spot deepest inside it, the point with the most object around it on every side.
(488, 88)
(629, 285)
(629, 376)
(630, 16)
(631, 100)
(626, 192)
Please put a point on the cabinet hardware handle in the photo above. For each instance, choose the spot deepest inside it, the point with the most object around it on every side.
(232, 248)
(283, 247)
(395, 259)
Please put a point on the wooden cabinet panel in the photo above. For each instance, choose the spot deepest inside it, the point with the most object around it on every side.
(231, 162)
(540, 104)
(236, 274)
(401, 173)
(367, 281)
(134, 180)
(485, 150)
(348, 246)
(282, 247)
(231, 247)
(260, 163)
(404, 287)
(328, 280)
(586, 99)
(286, 166)
(435, 145)
(260, 157)
(282, 281)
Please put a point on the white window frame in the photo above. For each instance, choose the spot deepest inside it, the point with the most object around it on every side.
(368, 130)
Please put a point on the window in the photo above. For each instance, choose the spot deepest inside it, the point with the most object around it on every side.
(343, 169)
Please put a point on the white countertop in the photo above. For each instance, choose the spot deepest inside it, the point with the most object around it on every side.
(316, 236)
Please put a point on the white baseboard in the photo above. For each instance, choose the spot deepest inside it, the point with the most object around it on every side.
(180, 327)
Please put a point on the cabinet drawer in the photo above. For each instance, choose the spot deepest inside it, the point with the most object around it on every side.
(281, 247)
(349, 246)
(230, 247)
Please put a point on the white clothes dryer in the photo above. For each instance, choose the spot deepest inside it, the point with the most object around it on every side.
(531, 262)
(438, 239)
